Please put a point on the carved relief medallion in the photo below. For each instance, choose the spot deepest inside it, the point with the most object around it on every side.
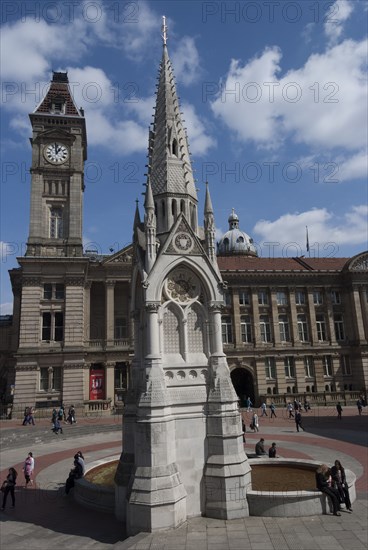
(182, 286)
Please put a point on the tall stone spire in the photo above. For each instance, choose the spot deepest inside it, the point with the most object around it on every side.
(209, 226)
(150, 228)
(169, 168)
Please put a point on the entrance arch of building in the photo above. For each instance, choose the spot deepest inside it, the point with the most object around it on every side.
(243, 382)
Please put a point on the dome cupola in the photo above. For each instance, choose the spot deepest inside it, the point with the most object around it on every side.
(235, 241)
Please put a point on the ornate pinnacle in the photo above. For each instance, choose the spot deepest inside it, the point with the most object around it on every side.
(164, 30)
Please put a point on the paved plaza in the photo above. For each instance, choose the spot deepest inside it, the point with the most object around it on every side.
(44, 518)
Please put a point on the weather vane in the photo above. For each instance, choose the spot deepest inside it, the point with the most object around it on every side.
(164, 30)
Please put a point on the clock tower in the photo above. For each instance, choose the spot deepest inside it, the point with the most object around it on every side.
(59, 150)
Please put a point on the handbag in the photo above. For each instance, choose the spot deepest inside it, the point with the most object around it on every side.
(4, 486)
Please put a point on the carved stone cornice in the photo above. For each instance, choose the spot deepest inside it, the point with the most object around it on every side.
(31, 281)
(74, 281)
(75, 366)
(110, 282)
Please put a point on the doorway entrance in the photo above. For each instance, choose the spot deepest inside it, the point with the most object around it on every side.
(243, 384)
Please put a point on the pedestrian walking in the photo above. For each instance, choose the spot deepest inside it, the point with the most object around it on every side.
(255, 423)
(8, 486)
(57, 427)
(360, 406)
(339, 411)
(340, 483)
(290, 409)
(273, 409)
(28, 469)
(264, 409)
(298, 421)
(249, 404)
(71, 415)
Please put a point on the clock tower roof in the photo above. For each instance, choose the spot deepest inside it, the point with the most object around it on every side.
(59, 99)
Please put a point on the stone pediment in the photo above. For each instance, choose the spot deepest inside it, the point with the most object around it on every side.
(182, 240)
(359, 263)
(122, 256)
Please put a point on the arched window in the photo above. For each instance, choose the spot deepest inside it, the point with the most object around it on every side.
(307, 389)
(288, 389)
(327, 387)
(313, 389)
(294, 389)
(226, 244)
(163, 208)
(269, 391)
(182, 206)
(56, 223)
(274, 391)
(240, 240)
(174, 148)
(173, 208)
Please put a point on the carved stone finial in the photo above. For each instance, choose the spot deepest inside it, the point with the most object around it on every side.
(164, 30)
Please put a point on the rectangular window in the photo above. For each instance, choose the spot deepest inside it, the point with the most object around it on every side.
(336, 297)
(284, 328)
(246, 329)
(44, 378)
(321, 327)
(227, 332)
(59, 326)
(317, 298)
(47, 291)
(327, 365)
(270, 368)
(120, 378)
(121, 328)
(300, 297)
(46, 326)
(281, 298)
(339, 327)
(52, 326)
(56, 379)
(244, 298)
(289, 367)
(302, 328)
(265, 328)
(263, 298)
(309, 366)
(59, 291)
(345, 365)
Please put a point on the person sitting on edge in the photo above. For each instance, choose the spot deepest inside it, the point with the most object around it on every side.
(322, 482)
(260, 450)
(272, 453)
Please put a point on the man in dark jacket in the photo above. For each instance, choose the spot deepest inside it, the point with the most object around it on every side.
(323, 475)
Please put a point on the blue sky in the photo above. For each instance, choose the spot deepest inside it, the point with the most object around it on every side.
(274, 95)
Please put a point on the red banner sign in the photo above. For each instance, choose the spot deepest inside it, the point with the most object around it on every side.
(97, 384)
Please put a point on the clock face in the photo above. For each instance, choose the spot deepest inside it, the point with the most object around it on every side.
(182, 286)
(183, 242)
(57, 153)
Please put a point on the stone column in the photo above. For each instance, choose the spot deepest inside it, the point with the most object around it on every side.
(255, 313)
(280, 375)
(312, 318)
(236, 317)
(293, 317)
(275, 318)
(110, 325)
(299, 374)
(360, 310)
(330, 317)
(110, 381)
(153, 334)
(87, 310)
(319, 376)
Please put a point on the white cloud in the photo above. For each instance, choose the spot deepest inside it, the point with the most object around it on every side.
(353, 167)
(323, 227)
(6, 308)
(321, 104)
(135, 32)
(335, 18)
(186, 62)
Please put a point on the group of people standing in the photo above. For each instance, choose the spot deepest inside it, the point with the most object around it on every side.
(332, 482)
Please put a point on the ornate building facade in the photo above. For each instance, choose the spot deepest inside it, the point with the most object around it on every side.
(289, 326)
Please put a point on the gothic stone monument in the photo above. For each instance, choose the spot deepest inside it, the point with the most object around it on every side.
(183, 452)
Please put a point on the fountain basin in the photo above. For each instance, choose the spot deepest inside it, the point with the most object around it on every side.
(286, 488)
(278, 499)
